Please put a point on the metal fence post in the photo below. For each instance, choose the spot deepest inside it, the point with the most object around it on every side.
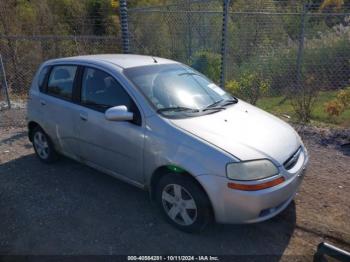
(224, 41)
(189, 31)
(301, 46)
(123, 10)
(4, 82)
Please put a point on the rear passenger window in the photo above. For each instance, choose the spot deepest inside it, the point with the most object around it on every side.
(61, 81)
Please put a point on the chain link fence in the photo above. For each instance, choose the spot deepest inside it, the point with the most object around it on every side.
(284, 51)
(22, 55)
(177, 31)
(256, 35)
(4, 92)
(276, 54)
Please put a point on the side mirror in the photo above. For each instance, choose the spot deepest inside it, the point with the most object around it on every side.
(119, 113)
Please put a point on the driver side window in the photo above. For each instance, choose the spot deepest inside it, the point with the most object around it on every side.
(101, 91)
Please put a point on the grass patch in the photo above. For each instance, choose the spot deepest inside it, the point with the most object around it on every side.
(319, 116)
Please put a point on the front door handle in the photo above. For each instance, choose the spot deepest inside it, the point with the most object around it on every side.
(83, 117)
(43, 102)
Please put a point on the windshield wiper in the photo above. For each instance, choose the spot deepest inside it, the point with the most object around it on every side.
(178, 109)
(222, 103)
(213, 108)
(214, 104)
(230, 101)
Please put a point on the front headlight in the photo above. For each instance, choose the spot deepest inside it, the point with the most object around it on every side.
(251, 170)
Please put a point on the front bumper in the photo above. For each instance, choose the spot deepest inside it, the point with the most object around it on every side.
(236, 206)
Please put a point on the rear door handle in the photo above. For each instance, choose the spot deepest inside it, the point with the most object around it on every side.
(83, 116)
(43, 102)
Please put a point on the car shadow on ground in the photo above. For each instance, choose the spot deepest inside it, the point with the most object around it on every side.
(68, 208)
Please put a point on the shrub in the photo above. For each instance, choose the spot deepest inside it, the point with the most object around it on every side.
(303, 98)
(344, 97)
(326, 58)
(338, 105)
(207, 63)
(278, 68)
(250, 87)
(334, 108)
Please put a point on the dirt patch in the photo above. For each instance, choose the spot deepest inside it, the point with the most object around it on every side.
(13, 118)
(325, 136)
(67, 208)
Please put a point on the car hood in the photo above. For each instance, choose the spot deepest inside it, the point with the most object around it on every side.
(245, 132)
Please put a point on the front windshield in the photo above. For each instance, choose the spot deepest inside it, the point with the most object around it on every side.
(175, 86)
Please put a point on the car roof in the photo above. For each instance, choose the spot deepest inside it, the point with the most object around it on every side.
(121, 60)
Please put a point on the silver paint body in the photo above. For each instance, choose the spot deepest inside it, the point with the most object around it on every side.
(202, 145)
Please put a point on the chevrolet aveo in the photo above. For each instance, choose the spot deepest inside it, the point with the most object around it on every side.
(203, 154)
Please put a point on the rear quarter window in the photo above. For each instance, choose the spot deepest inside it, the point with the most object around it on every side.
(42, 77)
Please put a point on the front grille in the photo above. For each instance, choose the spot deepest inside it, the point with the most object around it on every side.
(292, 160)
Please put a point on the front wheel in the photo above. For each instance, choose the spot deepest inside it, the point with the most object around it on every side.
(183, 203)
(43, 146)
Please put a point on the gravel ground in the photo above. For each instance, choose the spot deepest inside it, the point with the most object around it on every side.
(68, 208)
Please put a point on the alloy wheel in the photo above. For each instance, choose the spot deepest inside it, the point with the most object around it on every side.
(179, 204)
(41, 145)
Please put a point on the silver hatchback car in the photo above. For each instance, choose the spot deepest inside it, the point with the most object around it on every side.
(160, 125)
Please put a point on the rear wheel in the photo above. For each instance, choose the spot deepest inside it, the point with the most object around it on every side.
(43, 146)
(183, 203)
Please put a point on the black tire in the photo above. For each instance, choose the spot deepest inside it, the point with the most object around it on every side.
(201, 215)
(50, 155)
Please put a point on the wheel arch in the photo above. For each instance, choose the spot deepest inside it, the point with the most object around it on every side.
(168, 169)
(31, 126)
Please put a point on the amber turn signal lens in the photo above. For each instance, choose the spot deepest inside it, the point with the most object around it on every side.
(256, 187)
